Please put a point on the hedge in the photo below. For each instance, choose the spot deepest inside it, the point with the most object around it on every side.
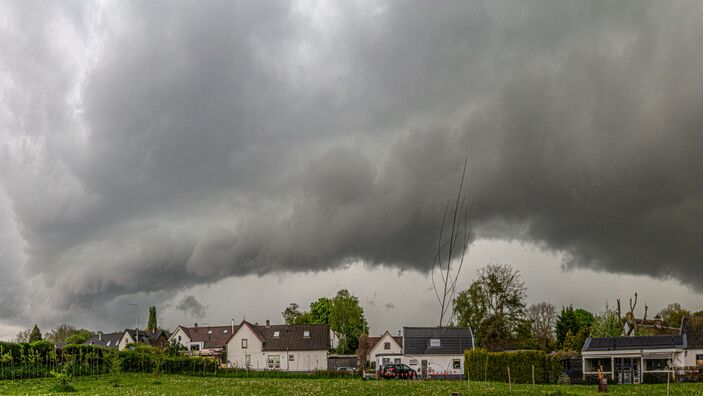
(482, 365)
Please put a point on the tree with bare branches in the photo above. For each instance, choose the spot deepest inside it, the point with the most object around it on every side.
(453, 241)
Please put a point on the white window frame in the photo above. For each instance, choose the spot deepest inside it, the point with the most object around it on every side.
(243, 343)
(435, 343)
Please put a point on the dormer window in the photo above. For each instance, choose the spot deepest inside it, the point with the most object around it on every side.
(435, 343)
(108, 344)
(306, 333)
(210, 332)
(225, 331)
(276, 334)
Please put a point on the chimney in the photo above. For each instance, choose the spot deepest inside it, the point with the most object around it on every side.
(658, 320)
(267, 323)
(195, 325)
(233, 326)
(100, 336)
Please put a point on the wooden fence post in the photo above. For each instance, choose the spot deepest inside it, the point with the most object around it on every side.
(510, 388)
(532, 374)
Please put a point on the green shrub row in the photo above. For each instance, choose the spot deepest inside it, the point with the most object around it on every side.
(242, 373)
(481, 365)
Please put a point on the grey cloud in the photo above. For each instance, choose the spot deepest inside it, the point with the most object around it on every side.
(192, 306)
(250, 138)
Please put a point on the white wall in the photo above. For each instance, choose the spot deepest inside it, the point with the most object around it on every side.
(258, 359)
(437, 363)
(124, 341)
(689, 357)
(379, 347)
(185, 340)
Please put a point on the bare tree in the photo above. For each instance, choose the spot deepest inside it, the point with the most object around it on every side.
(451, 243)
(543, 317)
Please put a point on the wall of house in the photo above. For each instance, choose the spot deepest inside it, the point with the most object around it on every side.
(437, 364)
(379, 347)
(181, 337)
(125, 340)
(237, 356)
(689, 357)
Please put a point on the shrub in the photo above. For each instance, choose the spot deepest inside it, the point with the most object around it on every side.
(493, 366)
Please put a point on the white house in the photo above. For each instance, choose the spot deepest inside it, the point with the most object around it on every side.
(279, 347)
(629, 360)
(437, 351)
(691, 328)
(204, 340)
(383, 347)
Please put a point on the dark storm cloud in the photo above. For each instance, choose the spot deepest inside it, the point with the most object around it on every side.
(178, 143)
(192, 306)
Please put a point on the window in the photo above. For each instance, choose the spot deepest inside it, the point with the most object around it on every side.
(397, 361)
(195, 347)
(276, 334)
(455, 363)
(244, 343)
(225, 331)
(210, 331)
(699, 359)
(413, 362)
(291, 358)
(273, 361)
(248, 360)
(435, 343)
(655, 364)
(306, 333)
(385, 361)
(387, 345)
(179, 338)
(108, 344)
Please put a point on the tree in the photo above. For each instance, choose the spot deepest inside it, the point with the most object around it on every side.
(78, 338)
(35, 335)
(62, 333)
(151, 323)
(493, 305)
(23, 336)
(347, 321)
(575, 321)
(452, 242)
(543, 318)
(673, 313)
(292, 314)
(607, 324)
(320, 311)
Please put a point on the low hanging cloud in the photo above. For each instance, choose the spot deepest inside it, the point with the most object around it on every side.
(152, 146)
(191, 306)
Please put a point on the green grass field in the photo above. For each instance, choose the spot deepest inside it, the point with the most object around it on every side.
(151, 384)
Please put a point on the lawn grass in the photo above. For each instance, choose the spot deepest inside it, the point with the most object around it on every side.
(151, 384)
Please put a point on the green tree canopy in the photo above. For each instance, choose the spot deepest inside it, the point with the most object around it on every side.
(673, 313)
(578, 322)
(320, 311)
(607, 324)
(347, 321)
(151, 322)
(493, 306)
(35, 334)
(78, 338)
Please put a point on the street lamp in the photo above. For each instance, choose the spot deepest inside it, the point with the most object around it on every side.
(136, 319)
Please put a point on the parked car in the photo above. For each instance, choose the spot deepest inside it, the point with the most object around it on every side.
(348, 370)
(398, 371)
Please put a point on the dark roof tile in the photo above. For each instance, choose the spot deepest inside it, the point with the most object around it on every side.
(453, 340)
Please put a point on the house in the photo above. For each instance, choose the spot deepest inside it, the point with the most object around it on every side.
(383, 347)
(691, 327)
(158, 338)
(204, 340)
(105, 340)
(637, 359)
(437, 351)
(629, 360)
(279, 347)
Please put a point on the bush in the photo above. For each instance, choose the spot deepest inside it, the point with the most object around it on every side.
(482, 365)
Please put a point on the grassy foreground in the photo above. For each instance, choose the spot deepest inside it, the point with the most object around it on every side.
(150, 384)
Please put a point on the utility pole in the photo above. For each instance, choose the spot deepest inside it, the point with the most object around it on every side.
(136, 319)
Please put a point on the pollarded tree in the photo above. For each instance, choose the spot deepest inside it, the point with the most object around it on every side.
(493, 305)
(543, 318)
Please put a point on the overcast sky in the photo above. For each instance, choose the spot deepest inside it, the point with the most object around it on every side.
(222, 159)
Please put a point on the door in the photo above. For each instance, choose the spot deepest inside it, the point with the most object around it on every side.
(626, 370)
(424, 368)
